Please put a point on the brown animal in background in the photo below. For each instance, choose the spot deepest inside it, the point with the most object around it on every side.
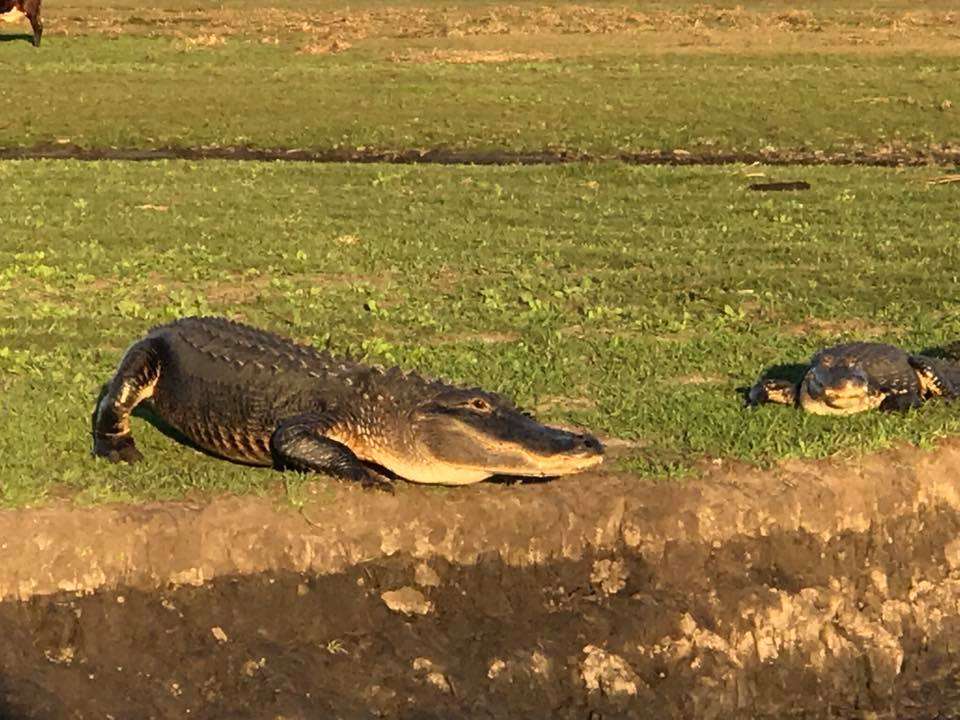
(13, 10)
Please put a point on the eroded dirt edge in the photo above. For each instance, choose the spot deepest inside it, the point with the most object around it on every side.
(879, 157)
(822, 587)
(60, 547)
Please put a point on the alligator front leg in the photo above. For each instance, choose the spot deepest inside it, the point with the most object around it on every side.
(901, 402)
(133, 382)
(299, 444)
(938, 378)
(781, 392)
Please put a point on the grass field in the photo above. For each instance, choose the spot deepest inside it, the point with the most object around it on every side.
(593, 79)
(634, 301)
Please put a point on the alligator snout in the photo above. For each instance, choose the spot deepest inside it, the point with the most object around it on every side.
(588, 443)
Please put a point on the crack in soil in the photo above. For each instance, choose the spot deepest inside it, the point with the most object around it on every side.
(885, 157)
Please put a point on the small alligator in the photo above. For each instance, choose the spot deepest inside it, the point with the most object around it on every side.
(257, 398)
(859, 376)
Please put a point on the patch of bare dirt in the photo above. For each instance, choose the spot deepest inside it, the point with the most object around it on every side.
(837, 328)
(470, 57)
(877, 157)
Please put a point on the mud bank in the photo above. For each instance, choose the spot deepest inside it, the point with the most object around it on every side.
(882, 157)
(785, 623)
(64, 548)
(815, 590)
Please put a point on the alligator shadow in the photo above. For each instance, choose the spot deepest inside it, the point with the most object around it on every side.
(792, 372)
(950, 351)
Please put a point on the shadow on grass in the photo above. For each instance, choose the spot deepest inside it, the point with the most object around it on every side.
(12, 38)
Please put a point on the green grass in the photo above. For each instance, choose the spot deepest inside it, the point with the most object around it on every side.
(608, 96)
(634, 301)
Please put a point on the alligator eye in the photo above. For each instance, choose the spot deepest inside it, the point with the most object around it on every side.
(480, 405)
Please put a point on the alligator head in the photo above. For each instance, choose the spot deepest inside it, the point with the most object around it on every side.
(837, 384)
(461, 436)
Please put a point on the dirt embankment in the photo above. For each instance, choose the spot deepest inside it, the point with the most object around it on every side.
(815, 590)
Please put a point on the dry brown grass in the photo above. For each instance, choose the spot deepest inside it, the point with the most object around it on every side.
(704, 27)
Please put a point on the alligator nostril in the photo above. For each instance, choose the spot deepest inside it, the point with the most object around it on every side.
(590, 443)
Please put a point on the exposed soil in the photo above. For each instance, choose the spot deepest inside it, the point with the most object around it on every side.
(883, 157)
(815, 590)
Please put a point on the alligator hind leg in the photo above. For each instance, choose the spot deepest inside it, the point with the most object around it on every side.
(938, 378)
(299, 444)
(131, 384)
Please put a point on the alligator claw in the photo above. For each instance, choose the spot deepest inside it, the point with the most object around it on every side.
(117, 450)
(375, 482)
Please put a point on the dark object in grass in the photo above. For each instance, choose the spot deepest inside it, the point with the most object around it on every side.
(254, 397)
(13, 10)
(779, 186)
(859, 376)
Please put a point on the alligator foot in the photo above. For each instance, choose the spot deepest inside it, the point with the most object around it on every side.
(781, 392)
(298, 444)
(901, 402)
(375, 481)
(117, 449)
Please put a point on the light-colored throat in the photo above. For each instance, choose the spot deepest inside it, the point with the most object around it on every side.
(852, 406)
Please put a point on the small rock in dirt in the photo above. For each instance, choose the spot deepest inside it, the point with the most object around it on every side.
(496, 667)
(121, 599)
(608, 673)
(433, 674)
(426, 576)
(218, 633)
(251, 667)
(951, 552)
(60, 656)
(539, 663)
(439, 681)
(422, 663)
(610, 576)
(407, 600)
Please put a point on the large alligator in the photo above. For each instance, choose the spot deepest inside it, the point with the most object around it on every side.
(257, 398)
(855, 377)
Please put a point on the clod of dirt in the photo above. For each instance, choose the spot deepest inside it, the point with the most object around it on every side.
(779, 186)
(218, 633)
(407, 600)
(426, 576)
(496, 667)
(608, 673)
(951, 551)
(60, 656)
(609, 576)
(325, 48)
(252, 667)
(433, 674)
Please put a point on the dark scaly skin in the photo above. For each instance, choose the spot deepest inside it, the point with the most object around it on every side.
(856, 377)
(254, 397)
